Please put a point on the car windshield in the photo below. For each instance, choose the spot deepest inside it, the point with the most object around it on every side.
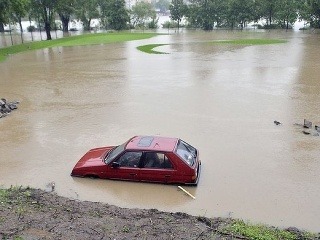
(114, 153)
(186, 152)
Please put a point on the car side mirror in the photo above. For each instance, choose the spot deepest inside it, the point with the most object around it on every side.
(115, 165)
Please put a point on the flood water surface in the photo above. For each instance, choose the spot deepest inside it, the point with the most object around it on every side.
(222, 99)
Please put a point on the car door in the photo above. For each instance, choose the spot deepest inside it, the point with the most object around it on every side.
(126, 166)
(156, 167)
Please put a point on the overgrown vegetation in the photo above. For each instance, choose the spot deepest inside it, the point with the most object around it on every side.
(149, 48)
(86, 39)
(57, 217)
(262, 232)
(15, 195)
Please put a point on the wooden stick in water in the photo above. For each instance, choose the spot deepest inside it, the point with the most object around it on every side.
(185, 191)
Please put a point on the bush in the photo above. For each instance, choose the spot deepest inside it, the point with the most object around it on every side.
(31, 28)
(170, 24)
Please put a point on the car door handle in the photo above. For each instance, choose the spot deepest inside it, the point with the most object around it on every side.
(132, 174)
(167, 176)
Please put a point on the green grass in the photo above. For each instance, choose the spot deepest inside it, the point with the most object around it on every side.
(149, 48)
(86, 39)
(262, 232)
(250, 41)
(14, 194)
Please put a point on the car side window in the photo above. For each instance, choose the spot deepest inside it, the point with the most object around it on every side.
(156, 160)
(166, 163)
(130, 159)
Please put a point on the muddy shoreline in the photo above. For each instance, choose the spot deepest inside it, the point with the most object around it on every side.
(36, 214)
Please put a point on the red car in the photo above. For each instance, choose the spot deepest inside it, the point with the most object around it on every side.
(143, 158)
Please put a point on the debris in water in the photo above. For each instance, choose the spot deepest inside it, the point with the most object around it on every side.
(6, 107)
(307, 124)
(51, 186)
(277, 122)
(185, 191)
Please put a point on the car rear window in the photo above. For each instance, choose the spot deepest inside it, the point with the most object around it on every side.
(186, 152)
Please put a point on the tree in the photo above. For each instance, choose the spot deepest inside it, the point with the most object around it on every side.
(205, 13)
(288, 12)
(141, 12)
(18, 10)
(45, 9)
(114, 14)
(269, 9)
(86, 10)
(240, 12)
(4, 17)
(65, 8)
(178, 10)
(311, 12)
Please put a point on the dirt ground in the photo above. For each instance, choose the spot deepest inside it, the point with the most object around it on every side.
(36, 214)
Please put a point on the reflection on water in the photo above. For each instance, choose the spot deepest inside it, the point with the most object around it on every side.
(222, 99)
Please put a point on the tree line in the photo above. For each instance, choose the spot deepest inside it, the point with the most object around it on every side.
(207, 14)
(114, 14)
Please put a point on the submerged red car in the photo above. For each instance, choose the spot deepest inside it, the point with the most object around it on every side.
(143, 158)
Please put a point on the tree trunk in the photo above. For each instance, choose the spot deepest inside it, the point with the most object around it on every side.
(270, 17)
(31, 30)
(86, 24)
(1, 27)
(65, 23)
(48, 30)
(21, 30)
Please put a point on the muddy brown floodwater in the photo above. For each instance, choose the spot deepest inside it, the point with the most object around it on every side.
(222, 99)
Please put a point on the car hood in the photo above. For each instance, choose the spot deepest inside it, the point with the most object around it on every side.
(93, 157)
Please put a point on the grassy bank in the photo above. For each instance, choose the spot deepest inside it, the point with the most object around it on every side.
(27, 213)
(149, 48)
(86, 39)
(246, 42)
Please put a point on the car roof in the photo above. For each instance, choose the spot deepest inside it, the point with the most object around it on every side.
(155, 143)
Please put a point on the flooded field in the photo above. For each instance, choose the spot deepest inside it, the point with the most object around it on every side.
(223, 99)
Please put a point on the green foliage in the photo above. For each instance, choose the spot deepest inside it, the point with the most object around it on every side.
(207, 13)
(149, 48)
(86, 10)
(259, 232)
(44, 10)
(178, 10)
(240, 13)
(170, 24)
(87, 39)
(65, 9)
(312, 12)
(288, 12)
(114, 14)
(19, 9)
(15, 195)
(4, 10)
(153, 24)
(263, 232)
(141, 12)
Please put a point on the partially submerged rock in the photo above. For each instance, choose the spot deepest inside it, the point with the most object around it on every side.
(7, 107)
